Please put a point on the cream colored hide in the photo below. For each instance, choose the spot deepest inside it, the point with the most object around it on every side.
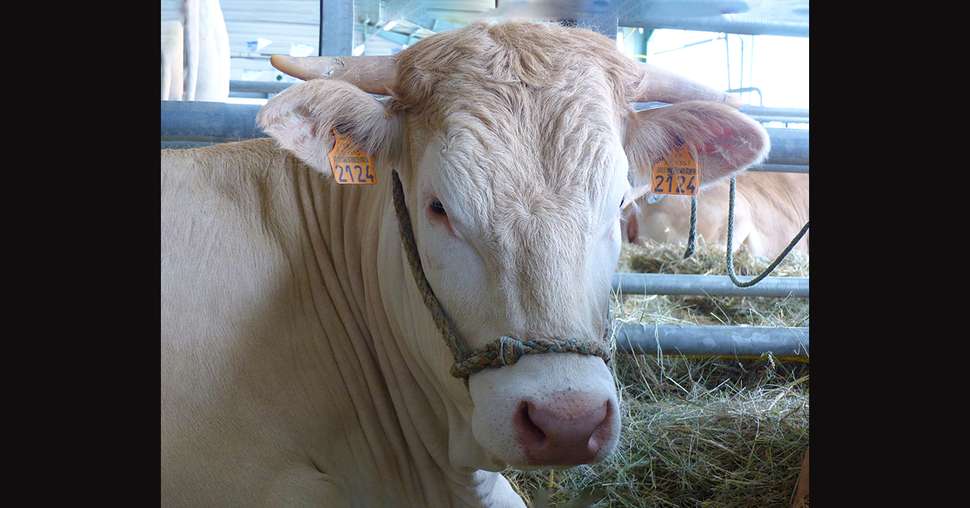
(300, 366)
(769, 210)
(172, 80)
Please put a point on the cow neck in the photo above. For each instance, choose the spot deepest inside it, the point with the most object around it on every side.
(505, 350)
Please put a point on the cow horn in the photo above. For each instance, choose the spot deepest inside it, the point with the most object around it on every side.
(657, 84)
(372, 74)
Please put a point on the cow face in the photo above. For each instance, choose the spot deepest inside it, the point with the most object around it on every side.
(516, 148)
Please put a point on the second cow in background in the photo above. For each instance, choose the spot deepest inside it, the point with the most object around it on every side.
(770, 209)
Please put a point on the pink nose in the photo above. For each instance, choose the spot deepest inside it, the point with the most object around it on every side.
(566, 429)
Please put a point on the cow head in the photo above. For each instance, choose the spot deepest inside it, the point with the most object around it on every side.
(516, 145)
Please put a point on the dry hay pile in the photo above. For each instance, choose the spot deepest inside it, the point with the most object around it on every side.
(695, 432)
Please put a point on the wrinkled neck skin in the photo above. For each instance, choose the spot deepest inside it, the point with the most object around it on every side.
(440, 450)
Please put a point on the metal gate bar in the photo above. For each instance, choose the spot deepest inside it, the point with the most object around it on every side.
(626, 283)
(741, 342)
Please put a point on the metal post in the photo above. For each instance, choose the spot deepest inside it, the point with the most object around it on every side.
(742, 342)
(336, 27)
(710, 285)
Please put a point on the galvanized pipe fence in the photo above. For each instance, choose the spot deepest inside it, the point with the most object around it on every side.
(741, 342)
(707, 285)
(195, 124)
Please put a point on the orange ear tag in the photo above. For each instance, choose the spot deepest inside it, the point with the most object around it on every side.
(676, 174)
(351, 166)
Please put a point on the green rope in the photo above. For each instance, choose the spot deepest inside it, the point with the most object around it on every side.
(458, 349)
(692, 233)
(730, 242)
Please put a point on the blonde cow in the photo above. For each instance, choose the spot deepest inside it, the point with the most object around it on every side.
(770, 209)
(402, 340)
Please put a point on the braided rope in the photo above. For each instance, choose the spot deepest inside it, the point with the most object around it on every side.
(500, 353)
(730, 242)
(507, 351)
(692, 233)
(458, 349)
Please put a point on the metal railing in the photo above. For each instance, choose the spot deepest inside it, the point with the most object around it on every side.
(780, 168)
(259, 87)
(208, 122)
(707, 285)
(744, 342)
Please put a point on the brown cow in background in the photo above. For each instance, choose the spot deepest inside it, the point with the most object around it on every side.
(770, 209)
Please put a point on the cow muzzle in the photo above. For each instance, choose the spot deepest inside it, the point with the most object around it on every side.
(555, 410)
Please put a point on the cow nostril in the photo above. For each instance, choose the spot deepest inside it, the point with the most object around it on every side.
(526, 426)
(602, 429)
(565, 429)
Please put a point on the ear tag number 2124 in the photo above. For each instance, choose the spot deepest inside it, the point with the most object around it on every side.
(676, 174)
(351, 166)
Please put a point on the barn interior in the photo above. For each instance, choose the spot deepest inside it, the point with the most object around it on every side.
(716, 422)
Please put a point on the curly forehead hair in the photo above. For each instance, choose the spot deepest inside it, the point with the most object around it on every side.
(504, 57)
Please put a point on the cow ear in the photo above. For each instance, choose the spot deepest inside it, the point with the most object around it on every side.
(302, 120)
(722, 140)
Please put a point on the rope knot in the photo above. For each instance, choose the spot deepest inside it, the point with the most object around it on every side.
(510, 350)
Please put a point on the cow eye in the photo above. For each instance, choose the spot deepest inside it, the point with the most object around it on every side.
(437, 208)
